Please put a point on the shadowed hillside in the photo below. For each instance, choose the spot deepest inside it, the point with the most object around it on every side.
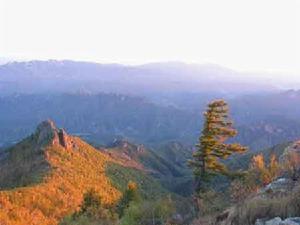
(261, 121)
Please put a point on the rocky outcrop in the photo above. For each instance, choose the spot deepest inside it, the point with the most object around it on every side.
(64, 139)
(131, 150)
(47, 133)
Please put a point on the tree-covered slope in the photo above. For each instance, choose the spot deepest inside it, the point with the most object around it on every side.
(167, 163)
(44, 177)
(50, 171)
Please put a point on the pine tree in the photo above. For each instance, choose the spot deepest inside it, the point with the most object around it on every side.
(217, 129)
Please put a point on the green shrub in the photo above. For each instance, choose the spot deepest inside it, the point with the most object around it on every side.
(129, 196)
(148, 212)
(211, 202)
(92, 212)
(86, 220)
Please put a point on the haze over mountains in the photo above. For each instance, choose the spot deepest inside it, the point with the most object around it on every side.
(150, 104)
(69, 76)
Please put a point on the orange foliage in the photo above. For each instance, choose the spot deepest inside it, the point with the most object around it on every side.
(258, 162)
(73, 172)
(266, 174)
(132, 185)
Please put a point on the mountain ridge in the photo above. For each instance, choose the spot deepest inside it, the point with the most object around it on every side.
(72, 168)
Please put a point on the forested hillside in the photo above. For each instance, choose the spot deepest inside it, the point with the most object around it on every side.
(43, 178)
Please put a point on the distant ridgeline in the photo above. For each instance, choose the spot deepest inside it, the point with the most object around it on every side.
(98, 118)
(261, 120)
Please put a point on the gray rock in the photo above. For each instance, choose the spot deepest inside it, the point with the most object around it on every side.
(46, 131)
(260, 222)
(281, 185)
(64, 139)
(291, 221)
(279, 221)
(275, 221)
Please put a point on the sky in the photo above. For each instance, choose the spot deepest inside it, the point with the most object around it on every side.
(247, 35)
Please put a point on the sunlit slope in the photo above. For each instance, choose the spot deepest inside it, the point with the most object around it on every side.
(50, 170)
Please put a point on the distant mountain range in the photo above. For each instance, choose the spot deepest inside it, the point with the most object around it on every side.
(69, 76)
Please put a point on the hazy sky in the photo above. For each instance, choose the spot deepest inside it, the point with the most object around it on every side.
(256, 35)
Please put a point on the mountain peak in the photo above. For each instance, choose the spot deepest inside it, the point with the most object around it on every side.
(47, 132)
(47, 123)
